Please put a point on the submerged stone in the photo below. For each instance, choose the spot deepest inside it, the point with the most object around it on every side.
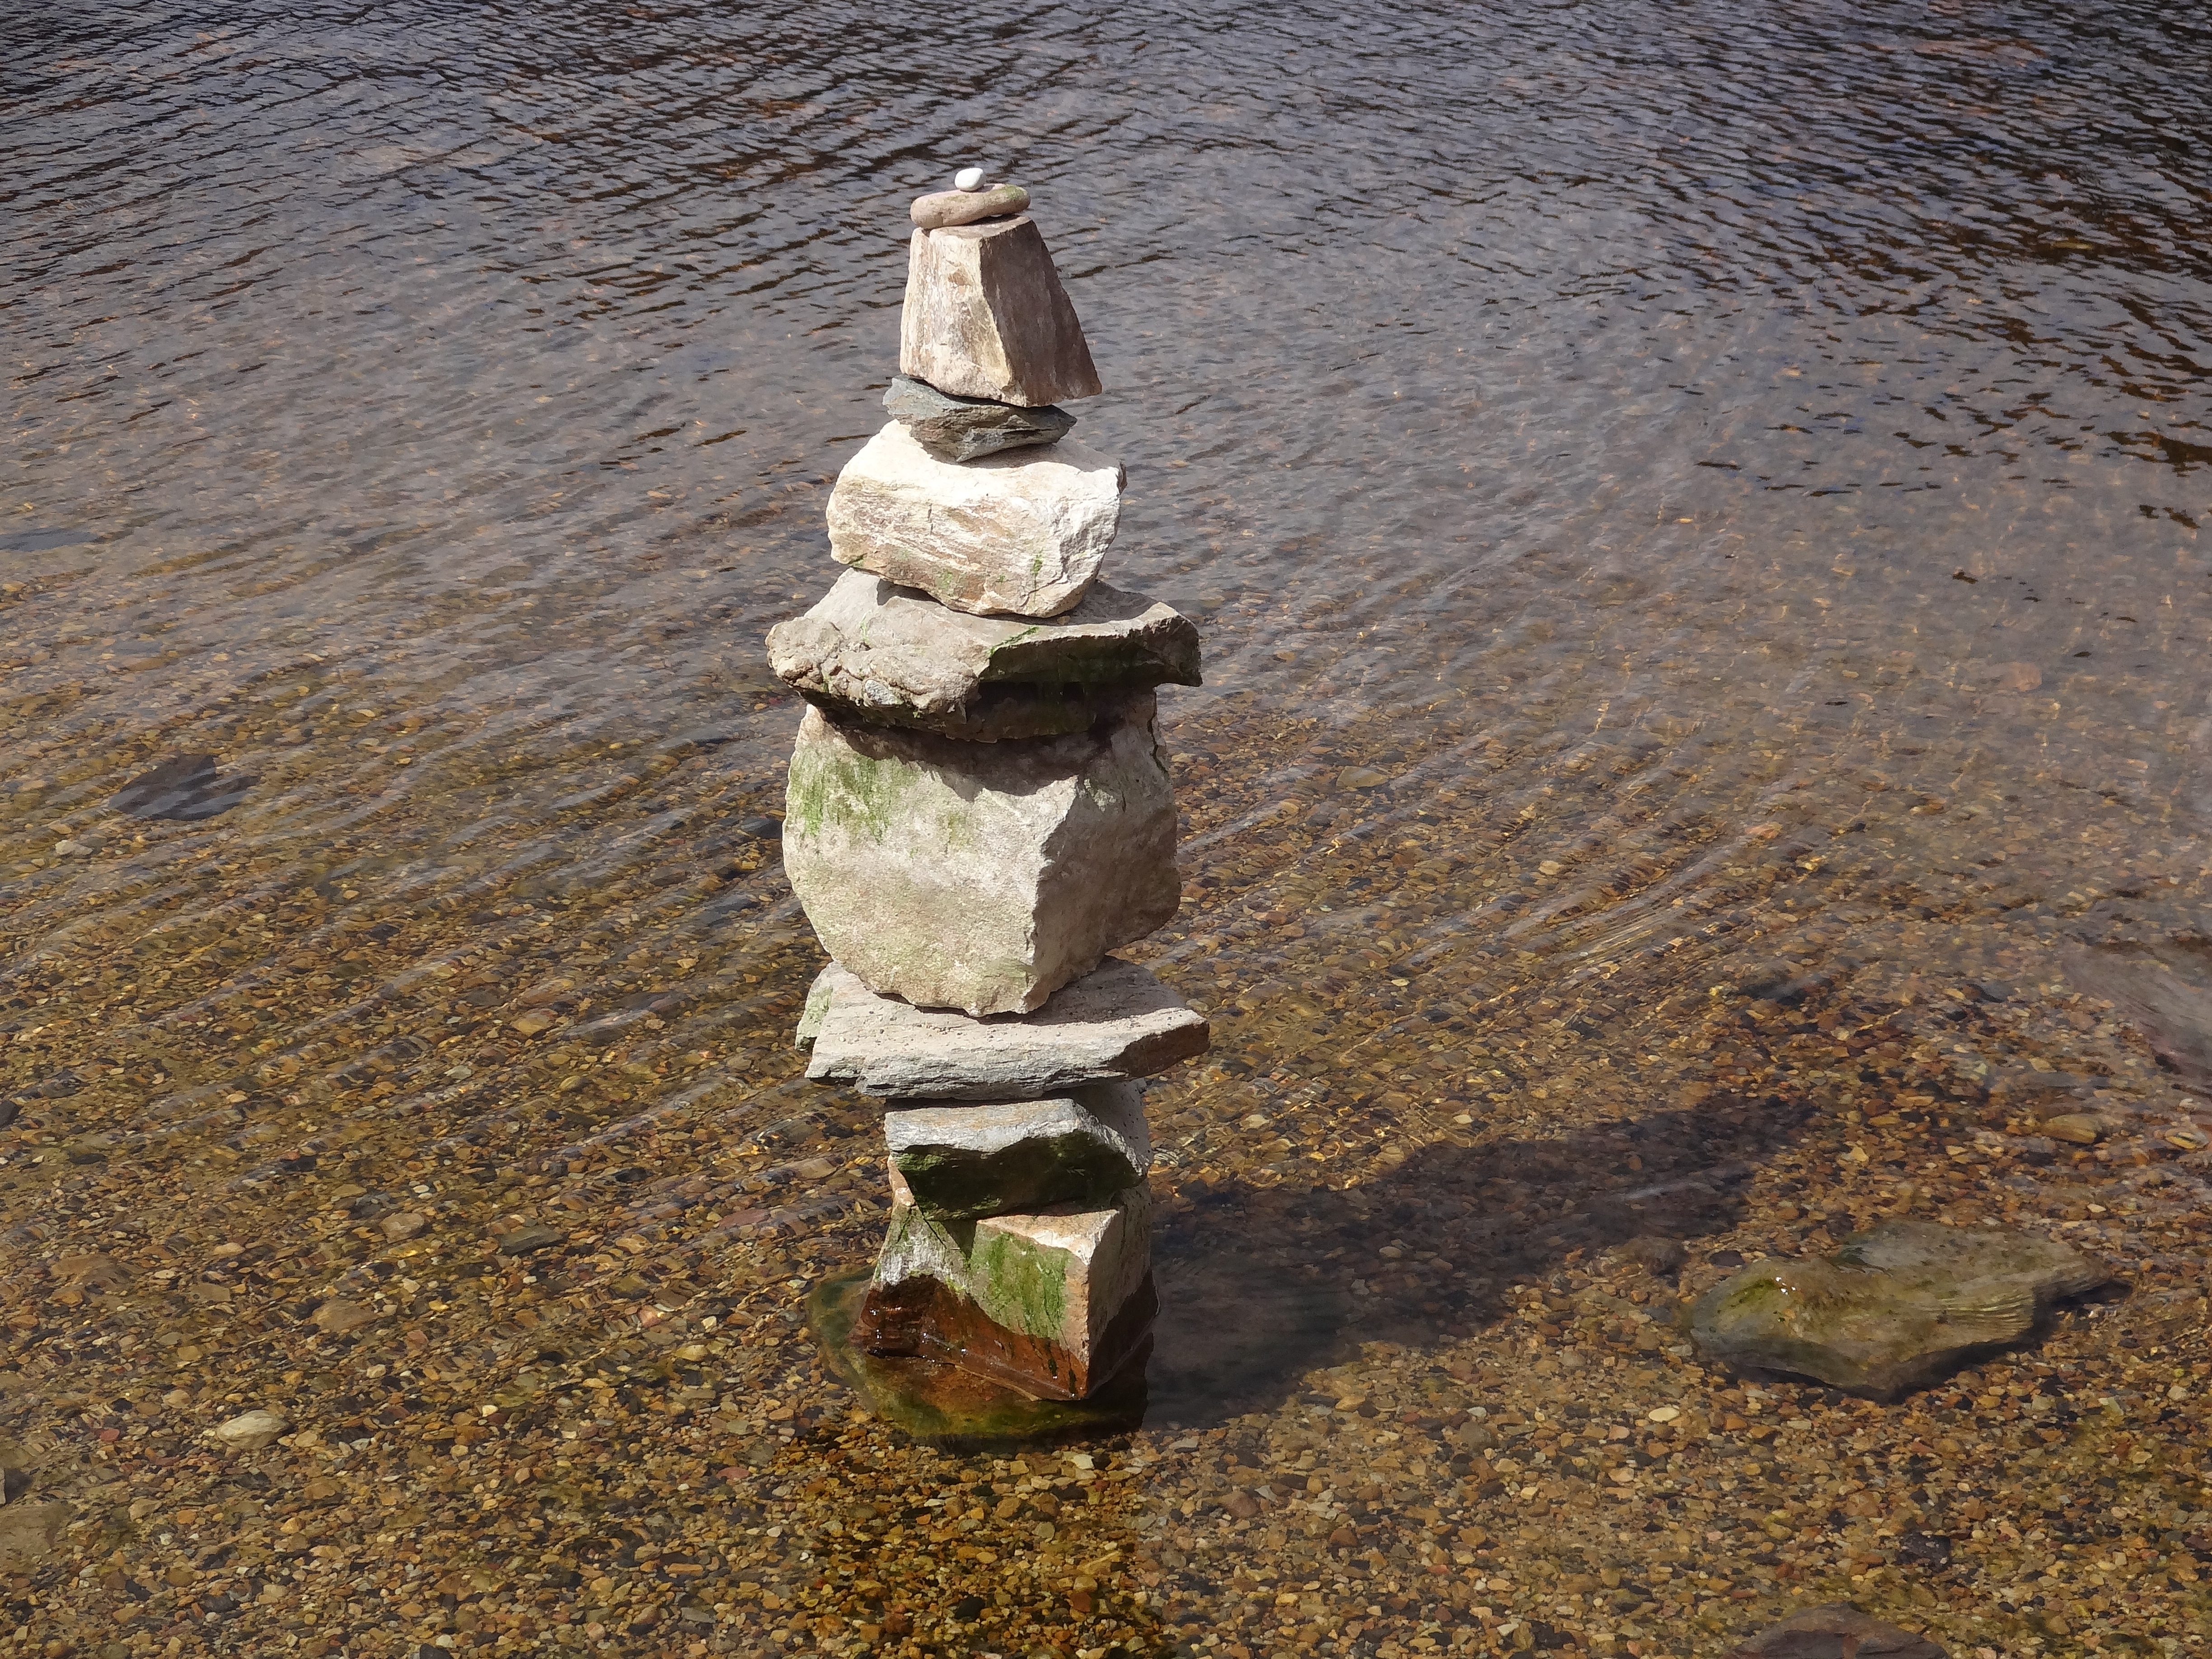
(979, 876)
(892, 656)
(1118, 1022)
(966, 428)
(1020, 533)
(189, 788)
(986, 317)
(965, 1161)
(1836, 1630)
(1053, 1301)
(936, 1401)
(1897, 1307)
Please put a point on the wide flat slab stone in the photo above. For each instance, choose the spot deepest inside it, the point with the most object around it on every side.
(967, 428)
(986, 317)
(979, 875)
(1019, 534)
(1116, 1023)
(962, 1161)
(1895, 1308)
(876, 652)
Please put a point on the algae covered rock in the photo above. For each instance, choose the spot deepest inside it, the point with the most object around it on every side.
(979, 876)
(1894, 1308)
(966, 1161)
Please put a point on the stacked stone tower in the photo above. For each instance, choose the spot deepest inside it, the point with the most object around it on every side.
(979, 813)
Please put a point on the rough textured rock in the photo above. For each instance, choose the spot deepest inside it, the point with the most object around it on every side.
(1051, 1302)
(889, 655)
(1119, 1022)
(986, 317)
(1895, 1308)
(1836, 1630)
(1022, 532)
(979, 875)
(967, 428)
(942, 208)
(962, 1161)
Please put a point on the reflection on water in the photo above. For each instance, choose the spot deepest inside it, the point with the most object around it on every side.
(1695, 512)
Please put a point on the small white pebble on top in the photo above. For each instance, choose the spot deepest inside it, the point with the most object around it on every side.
(968, 179)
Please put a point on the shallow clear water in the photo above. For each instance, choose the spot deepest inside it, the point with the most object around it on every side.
(1695, 511)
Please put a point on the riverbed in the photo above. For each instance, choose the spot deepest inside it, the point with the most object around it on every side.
(1695, 515)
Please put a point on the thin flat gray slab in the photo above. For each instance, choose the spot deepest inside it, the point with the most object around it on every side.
(1896, 1308)
(874, 651)
(962, 1161)
(967, 428)
(1116, 1023)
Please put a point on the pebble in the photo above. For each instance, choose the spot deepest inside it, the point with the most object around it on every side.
(254, 1430)
(2079, 1128)
(968, 179)
(403, 1224)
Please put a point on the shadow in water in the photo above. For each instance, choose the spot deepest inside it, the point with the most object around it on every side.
(1260, 1286)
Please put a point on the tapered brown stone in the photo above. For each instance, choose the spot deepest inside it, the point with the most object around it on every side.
(986, 317)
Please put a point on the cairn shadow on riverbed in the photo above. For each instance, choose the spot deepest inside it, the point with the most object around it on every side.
(1257, 1284)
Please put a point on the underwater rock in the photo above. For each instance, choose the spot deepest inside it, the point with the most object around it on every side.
(185, 787)
(1836, 1630)
(979, 876)
(965, 1161)
(1116, 1023)
(986, 317)
(1019, 534)
(1894, 1308)
(889, 655)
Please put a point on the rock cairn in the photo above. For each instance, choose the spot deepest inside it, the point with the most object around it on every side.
(979, 813)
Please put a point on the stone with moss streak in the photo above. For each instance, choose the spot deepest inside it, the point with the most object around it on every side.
(1022, 532)
(976, 1160)
(1056, 1284)
(980, 877)
(1895, 1308)
(872, 651)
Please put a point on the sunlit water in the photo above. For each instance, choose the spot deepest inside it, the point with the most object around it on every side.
(1695, 514)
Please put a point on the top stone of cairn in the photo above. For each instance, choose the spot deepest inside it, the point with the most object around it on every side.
(986, 317)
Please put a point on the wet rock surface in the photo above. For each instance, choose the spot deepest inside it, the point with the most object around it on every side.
(965, 1161)
(1894, 1308)
(189, 788)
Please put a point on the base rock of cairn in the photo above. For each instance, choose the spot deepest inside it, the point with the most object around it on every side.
(978, 813)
